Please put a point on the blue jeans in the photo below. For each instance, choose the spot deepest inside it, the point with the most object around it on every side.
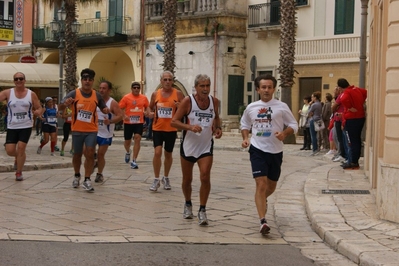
(313, 135)
(347, 146)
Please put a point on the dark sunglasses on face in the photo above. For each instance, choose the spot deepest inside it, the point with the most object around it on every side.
(167, 79)
(20, 79)
(136, 88)
(87, 78)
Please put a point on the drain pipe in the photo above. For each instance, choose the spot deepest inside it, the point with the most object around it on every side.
(215, 27)
(142, 32)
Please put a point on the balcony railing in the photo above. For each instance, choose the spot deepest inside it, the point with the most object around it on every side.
(328, 49)
(264, 15)
(154, 8)
(107, 26)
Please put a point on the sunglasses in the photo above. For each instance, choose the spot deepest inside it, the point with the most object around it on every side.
(136, 88)
(167, 79)
(20, 79)
(87, 78)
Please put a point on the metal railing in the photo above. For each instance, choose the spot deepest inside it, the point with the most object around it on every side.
(154, 8)
(264, 15)
(106, 26)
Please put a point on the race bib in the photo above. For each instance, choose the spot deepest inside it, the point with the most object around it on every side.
(20, 116)
(165, 112)
(51, 120)
(134, 119)
(84, 116)
(100, 122)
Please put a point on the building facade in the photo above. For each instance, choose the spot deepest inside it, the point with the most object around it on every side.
(382, 137)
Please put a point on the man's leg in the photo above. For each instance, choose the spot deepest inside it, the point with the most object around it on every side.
(156, 161)
(168, 162)
(264, 188)
(101, 157)
(89, 160)
(205, 165)
(127, 144)
(137, 146)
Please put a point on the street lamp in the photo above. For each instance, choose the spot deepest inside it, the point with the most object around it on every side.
(58, 28)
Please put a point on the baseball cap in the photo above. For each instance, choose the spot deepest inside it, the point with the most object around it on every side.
(48, 99)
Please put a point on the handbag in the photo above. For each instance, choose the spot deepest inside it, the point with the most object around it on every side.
(319, 125)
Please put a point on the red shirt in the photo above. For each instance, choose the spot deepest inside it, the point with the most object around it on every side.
(353, 99)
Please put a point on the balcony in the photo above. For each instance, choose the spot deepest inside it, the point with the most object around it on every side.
(93, 31)
(327, 50)
(266, 15)
(154, 8)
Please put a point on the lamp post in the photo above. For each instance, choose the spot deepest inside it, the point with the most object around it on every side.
(58, 28)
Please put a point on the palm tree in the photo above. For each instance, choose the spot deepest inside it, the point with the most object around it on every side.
(169, 34)
(71, 38)
(287, 53)
(287, 49)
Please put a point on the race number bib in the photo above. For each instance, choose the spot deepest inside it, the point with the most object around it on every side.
(20, 116)
(100, 122)
(165, 112)
(84, 116)
(134, 119)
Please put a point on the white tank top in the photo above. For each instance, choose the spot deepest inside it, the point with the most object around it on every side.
(19, 111)
(105, 131)
(195, 144)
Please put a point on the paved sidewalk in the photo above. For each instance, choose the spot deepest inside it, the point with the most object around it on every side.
(46, 207)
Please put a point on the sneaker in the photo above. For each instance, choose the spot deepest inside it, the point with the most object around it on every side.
(166, 183)
(155, 185)
(71, 151)
(314, 153)
(52, 154)
(99, 178)
(338, 159)
(264, 229)
(87, 185)
(202, 220)
(62, 153)
(56, 148)
(19, 177)
(75, 183)
(39, 150)
(127, 157)
(134, 165)
(188, 212)
(330, 152)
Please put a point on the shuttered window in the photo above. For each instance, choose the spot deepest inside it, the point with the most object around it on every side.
(344, 16)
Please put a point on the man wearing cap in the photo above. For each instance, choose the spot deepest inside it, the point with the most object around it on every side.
(20, 101)
(135, 105)
(84, 101)
(49, 126)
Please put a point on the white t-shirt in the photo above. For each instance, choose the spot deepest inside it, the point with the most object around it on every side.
(105, 131)
(19, 111)
(265, 119)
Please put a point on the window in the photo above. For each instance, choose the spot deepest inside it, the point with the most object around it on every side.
(98, 14)
(344, 16)
(301, 2)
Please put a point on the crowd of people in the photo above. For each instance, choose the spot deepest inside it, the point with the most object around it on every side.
(341, 117)
(91, 117)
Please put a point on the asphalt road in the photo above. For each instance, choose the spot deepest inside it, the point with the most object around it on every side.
(23, 253)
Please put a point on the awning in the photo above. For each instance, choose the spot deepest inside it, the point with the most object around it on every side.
(37, 75)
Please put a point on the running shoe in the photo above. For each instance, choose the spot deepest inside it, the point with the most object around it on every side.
(18, 176)
(71, 152)
(39, 150)
(52, 154)
(99, 178)
(155, 185)
(166, 183)
(127, 157)
(338, 158)
(264, 229)
(87, 185)
(62, 153)
(188, 212)
(134, 165)
(76, 181)
(202, 219)
(56, 148)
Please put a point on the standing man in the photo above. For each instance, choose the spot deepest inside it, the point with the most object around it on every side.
(84, 102)
(106, 126)
(20, 101)
(266, 150)
(135, 105)
(164, 103)
(202, 121)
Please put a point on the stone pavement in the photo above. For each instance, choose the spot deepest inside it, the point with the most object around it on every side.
(331, 229)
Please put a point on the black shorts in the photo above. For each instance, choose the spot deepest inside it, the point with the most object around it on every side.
(46, 128)
(15, 135)
(159, 137)
(130, 129)
(265, 164)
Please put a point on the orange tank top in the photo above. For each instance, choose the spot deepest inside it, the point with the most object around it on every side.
(84, 114)
(165, 108)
